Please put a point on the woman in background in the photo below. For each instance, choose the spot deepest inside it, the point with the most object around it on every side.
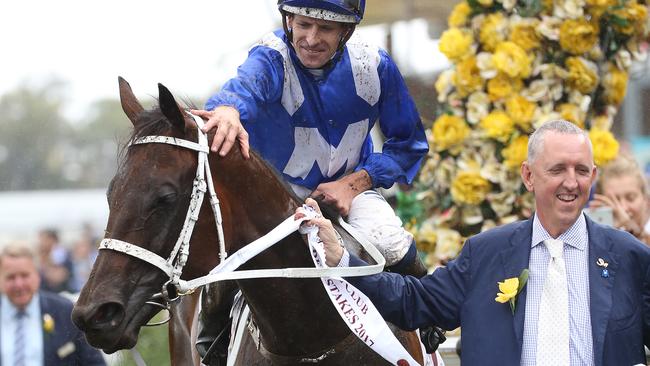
(622, 187)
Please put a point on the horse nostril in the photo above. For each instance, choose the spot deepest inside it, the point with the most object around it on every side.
(109, 314)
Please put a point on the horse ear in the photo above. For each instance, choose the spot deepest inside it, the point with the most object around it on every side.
(130, 104)
(169, 108)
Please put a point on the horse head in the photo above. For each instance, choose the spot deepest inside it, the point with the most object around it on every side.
(148, 199)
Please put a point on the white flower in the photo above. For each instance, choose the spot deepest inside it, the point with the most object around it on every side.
(471, 215)
(537, 90)
(545, 117)
(444, 85)
(569, 9)
(623, 59)
(508, 4)
(502, 203)
(579, 99)
(550, 28)
(485, 64)
(478, 105)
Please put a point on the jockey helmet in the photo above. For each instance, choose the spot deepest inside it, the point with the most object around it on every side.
(344, 11)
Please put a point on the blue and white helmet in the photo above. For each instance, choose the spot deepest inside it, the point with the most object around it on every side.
(344, 11)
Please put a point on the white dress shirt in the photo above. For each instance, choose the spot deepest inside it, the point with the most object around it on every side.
(576, 257)
(33, 332)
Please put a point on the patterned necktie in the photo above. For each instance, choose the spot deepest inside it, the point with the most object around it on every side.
(19, 340)
(553, 321)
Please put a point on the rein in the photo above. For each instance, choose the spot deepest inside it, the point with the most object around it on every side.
(385, 342)
(173, 265)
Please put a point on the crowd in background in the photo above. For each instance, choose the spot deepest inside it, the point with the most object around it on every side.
(65, 268)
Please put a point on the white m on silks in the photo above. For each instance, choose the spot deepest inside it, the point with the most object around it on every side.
(312, 147)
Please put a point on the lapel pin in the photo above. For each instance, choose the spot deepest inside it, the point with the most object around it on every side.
(601, 263)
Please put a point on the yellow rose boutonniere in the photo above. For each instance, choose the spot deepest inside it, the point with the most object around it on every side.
(48, 323)
(510, 288)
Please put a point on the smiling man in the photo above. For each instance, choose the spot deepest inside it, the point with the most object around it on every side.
(36, 328)
(306, 99)
(586, 300)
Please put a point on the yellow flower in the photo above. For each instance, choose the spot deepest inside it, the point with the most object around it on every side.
(521, 111)
(498, 125)
(604, 144)
(578, 36)
(515, 153)
(492, 31)
(48, 323)
(615, 85)
(448, 132)
(456, 44)
(508, 290)
(581, 76)
(470, 188)
(512, 60)
(601, 3)
(468, 77)
(459, 15)
(597, 7)
(502, 86)
(525, 35)
(572, 113)
(635, 15)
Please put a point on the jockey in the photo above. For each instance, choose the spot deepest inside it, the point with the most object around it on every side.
(306, 99)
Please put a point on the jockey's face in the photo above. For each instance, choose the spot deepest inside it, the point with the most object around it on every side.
(315, 40)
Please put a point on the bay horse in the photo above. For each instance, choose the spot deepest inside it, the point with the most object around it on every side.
(148, 199)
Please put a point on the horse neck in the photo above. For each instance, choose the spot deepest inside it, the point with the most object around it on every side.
(286, 310)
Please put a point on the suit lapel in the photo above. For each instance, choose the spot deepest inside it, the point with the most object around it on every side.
(600, 286)
(515, 259)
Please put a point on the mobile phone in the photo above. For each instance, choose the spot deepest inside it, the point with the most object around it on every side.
(602, 215)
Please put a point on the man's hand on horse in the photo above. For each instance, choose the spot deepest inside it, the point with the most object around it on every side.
(340, 193)
(326, 233)
(229, 129)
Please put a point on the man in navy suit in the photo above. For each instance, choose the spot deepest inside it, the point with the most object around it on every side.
(35, 326)
(606, 274)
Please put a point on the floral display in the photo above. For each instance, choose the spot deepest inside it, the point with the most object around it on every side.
(516, 65)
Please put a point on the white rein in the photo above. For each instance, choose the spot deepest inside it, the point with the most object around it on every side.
(173, 266)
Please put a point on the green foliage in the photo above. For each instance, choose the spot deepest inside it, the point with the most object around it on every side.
(152, 345)
(408, 206)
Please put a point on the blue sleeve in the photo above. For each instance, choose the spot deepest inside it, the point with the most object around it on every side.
(412, 303)
(259, 81)
(406, 143)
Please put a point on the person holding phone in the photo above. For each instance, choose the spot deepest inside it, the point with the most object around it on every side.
(622, 187)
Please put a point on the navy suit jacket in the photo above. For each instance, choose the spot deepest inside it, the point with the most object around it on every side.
(462, 294)
(65, 345)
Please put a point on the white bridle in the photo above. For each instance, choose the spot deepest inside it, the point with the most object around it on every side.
(173, 266)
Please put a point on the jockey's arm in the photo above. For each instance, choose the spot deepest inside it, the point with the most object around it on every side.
(340, 193)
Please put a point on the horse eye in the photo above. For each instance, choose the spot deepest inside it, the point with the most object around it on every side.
(167, 198)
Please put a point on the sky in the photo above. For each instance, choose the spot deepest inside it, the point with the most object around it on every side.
(192, 47)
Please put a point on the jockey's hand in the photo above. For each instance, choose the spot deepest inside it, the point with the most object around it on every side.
(229, 129)
(326, 233)
(340, 193)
